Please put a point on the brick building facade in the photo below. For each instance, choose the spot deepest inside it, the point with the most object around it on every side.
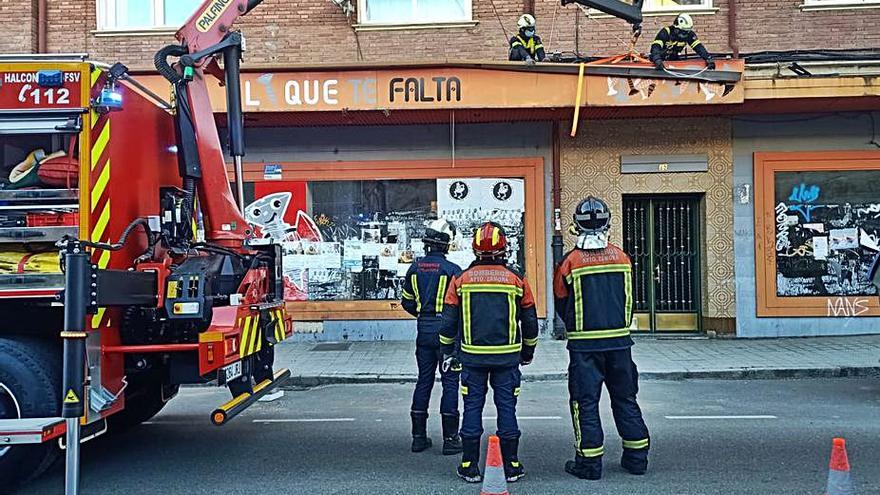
(293, 32)
(695, 233)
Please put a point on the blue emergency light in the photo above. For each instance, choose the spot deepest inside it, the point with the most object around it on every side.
(50, 78)
(109, 98)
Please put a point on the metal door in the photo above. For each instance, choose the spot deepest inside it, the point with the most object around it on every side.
(661, 236)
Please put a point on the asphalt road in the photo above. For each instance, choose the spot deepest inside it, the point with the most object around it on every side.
(750, 437)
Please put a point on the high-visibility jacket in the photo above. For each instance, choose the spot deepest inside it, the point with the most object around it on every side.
(521, 47)
(490, 312)
(593, 291)
(669, 43)
(424, 288)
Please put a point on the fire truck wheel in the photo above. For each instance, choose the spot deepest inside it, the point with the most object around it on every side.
(143, 400)
(30, 387)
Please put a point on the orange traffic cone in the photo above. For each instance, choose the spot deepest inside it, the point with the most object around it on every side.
(494, 481)
(839, 479)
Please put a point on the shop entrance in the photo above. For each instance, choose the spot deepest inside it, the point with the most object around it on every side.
(661, 234)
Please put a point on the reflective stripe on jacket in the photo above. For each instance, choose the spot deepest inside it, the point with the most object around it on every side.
(593, 290)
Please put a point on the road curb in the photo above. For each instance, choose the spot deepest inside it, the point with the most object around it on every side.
(727, 374)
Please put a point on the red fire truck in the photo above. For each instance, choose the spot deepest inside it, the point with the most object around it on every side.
(160, 281)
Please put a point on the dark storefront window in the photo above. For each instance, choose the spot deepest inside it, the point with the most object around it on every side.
(353, 240)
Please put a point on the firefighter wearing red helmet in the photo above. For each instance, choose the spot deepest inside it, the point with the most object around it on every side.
(593, 291)
(490, 313)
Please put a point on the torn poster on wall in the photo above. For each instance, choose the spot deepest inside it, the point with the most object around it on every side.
(827, 227)
(468, 202)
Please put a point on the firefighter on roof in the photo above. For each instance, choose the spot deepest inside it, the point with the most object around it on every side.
(423, 290)
(526, 46)
(672, 40)
(490, 312)
(593, 290)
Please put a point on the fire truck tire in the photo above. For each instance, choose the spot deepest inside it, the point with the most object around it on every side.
(30, 387)
(143, 400)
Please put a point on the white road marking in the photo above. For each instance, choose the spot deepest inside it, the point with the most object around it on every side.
(758, 416)
(305, 420)
(529, 418)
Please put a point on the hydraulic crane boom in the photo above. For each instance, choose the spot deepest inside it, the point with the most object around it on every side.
(631, 13)
(207, 34)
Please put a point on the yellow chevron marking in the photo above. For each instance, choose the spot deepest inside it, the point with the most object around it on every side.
(104, 259)
(100, 185)
(101, 224)
(245, 338)
(97, 317)
(256, 338)
(100, 144)
(96, 74)
(96, 117)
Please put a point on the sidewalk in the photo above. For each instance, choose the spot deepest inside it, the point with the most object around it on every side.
(314, 363)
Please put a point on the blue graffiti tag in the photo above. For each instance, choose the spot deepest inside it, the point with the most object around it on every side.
(804, 195)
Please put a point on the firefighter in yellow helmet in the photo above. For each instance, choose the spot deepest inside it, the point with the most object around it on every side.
(526, 46)
(490, 312)
(672, 40)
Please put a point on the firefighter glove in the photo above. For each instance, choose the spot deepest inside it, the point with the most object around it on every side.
(659, 64)
(526, 356)
(450, 363)
(530, 61)
(710, 64)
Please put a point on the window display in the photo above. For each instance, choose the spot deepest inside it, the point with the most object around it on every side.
(355, 239)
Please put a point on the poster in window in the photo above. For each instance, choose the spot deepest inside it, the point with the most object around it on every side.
(468, 202)
(827, 226)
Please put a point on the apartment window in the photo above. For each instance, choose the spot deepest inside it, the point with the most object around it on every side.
(144, 14)
(840, 3)
(414, 11)
(676, 5)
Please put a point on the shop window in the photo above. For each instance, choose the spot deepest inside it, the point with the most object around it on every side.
(144, 14)
(414, 11)
(817, 233)
(350, 233)
(840, 3)
(354, 240)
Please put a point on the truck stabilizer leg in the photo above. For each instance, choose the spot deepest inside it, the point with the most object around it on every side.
(76, 304)
(233, 408)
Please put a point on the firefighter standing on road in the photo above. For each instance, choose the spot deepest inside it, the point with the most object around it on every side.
(671, 40)
(526, 46)
(490, 311)
(593, 290)
(423, 290)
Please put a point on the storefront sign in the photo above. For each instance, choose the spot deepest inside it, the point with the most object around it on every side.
(447, 88)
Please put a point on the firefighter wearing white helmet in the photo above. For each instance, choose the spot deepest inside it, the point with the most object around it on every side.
(672, 40)
(424, 289)
(526, 46)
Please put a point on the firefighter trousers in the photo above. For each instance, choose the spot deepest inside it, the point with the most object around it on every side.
(475, 384)
(587, 371)
(429, 359)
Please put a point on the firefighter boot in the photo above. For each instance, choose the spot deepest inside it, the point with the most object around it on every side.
(513, 469)
(635, 461)
(585, 468)
(451, 440)
(469, 469)
(420, 431)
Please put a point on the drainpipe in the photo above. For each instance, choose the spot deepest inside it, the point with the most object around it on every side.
(731, 27)
(556, 244)
(557, 196)
(42, 26)
(529, 7)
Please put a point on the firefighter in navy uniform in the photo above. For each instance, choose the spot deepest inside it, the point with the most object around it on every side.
(593, 290)
(423, 291)
(526, 46)
(490, 313)
(671, 40)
